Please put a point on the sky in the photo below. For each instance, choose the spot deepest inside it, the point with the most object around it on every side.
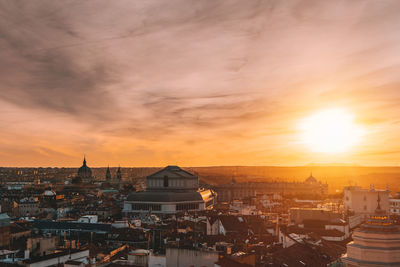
(195, 83)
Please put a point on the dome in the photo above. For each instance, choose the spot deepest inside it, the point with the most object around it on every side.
(84, 171)
(311, 179)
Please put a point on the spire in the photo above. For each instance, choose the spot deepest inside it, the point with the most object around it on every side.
(108, 174)
(84, 160)
(119, 174)
(379, 202)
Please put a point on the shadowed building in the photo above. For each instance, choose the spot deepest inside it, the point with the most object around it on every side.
(375, 243)
(108, 174)
(235, 190)
(4, 230)
(170, 190)
(119, 175)
(84, 173)
(363, 201)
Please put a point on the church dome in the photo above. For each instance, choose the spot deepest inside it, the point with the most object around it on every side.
(84, 171)
(311, 180)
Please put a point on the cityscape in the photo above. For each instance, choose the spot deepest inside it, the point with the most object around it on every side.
(171, 217)
(186, 133)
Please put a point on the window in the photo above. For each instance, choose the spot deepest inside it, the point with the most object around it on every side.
(145, 206)
(187, 206)
(165, 181)
(365, 207)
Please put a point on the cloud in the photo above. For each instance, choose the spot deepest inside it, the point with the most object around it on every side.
(156, 75)
(61, 81)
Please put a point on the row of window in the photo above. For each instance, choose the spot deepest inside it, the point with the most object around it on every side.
(157, 207)
(187, 206)
(167, 182)
(144, 206)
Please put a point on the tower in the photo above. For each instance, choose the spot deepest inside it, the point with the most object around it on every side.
(84, 173)
(375, 243)
(108, 174)
(119, 174)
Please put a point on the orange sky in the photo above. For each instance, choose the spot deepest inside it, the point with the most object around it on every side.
(194, 83)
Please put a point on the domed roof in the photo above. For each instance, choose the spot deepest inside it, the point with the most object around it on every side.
(84, 171)
(379, 222)
(311, 179)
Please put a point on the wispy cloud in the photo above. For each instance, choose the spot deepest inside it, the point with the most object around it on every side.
(181, 76)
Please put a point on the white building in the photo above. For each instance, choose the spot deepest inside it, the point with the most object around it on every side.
(394, 206)
(169, 191)
(375, 243)
(363, 201)
(88, 219)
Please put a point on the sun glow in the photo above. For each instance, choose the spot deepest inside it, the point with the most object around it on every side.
(331, 131)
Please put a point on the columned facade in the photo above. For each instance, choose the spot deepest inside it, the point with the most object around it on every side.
(375, 243)
(169, 191)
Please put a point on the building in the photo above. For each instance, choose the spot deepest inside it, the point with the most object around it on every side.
(108, 174)
(363, 201)
(66, 227)
(394, 204)
(88, 219)
(179, 257)
(169, 191)
(119, 175)
(58, 258)
(375, 243)
(4, 230)
(226, 224)
(299, 215)
(84, 173)
(42, 245)
(234, 190)
(28, 207)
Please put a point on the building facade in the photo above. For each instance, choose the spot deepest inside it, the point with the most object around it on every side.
(363, 201)
(4, 230)
(394, 204)
(169, 191)
(234, 190)
(375, 243)
(84, 173)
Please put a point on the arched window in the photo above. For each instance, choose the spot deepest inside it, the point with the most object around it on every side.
(165, 181)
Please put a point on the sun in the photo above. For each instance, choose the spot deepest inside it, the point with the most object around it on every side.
(330, 131)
